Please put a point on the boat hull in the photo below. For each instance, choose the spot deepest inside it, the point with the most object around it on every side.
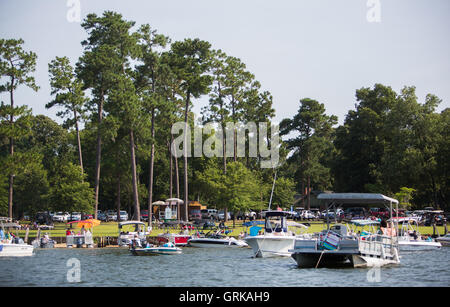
(154, 251)
(16, 250)
(320, 259)
(418, 245)
(220, 243)
(271, 246)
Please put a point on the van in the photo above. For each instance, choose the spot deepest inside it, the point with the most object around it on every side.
(209, 214)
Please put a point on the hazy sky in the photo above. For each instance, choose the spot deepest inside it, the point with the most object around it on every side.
(321, 49)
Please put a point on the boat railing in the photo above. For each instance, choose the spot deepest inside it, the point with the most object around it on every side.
(377, 245)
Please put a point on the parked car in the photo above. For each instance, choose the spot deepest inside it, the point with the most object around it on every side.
(307, 215)
(43, 218)
(355, 212)
(101, 216)
(111, 215)
(75, 216)
(338, 214)
(144, 215)
(123, 216)
(221, 215)
(195, 215)
(209, 214)
(86, 216)
(204, 224)
(61, 217)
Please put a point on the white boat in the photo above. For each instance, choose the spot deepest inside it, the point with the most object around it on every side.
(12, 247)
(126, 237)
(277, 240)
(15, 250)
(337, 246)
(409, 237)
(215, 240)
(177, 239)
(165, 249)
(444, 240)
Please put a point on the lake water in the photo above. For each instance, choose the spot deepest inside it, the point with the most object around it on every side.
(209, 267)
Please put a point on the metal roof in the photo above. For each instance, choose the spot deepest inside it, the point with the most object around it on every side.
(357, 198)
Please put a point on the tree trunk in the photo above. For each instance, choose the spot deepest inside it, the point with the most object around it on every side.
(11, 152)
(80, 155)
(309, 193)
(152, 159)
(98, 154)
(137, 215)
(171, 173)
(186, 191)
(118, 198)
(303, 193)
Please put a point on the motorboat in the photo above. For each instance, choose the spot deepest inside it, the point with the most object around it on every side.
(12, 246)
(179, 239)
(215, 239)
(444, 240)
(339, 246)
(125, 237)
(43, 242)
(16, 249)
(409, 237)
(276, 240)
(152, 250)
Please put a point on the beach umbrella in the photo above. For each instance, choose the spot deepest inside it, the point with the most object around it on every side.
(158, 203)
(86, 223)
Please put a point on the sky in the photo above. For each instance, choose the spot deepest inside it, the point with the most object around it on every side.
(319, 49)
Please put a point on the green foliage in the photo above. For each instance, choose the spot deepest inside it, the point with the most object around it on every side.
(237, 190)
(69, 191)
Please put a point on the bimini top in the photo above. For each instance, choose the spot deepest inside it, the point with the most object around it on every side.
(131, 223)
(359, 198)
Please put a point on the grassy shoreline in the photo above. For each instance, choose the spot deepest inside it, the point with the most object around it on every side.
(110, 229)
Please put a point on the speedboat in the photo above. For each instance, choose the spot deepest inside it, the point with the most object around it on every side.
(16, 249)
(151, 250)
(410, 238)
(444, 240)
(13, 247)
(337, 246)
(177, 239)
(215, 240)
(276, 240)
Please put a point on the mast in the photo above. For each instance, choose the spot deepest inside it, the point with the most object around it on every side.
(273, 187)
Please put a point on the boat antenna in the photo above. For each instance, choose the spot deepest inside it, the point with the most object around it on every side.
(273, 187)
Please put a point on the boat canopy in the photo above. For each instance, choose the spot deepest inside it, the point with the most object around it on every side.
(131, 223)
(364, 222)
(276, 213)
(357, 198)
(295, 224)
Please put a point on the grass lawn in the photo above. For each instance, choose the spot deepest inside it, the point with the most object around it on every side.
(110, 229)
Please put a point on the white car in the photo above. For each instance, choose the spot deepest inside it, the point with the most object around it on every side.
(123, 216)
(61, 217)
(111, 215)
(75, 216)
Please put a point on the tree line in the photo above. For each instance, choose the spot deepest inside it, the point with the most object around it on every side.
(131, 84)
